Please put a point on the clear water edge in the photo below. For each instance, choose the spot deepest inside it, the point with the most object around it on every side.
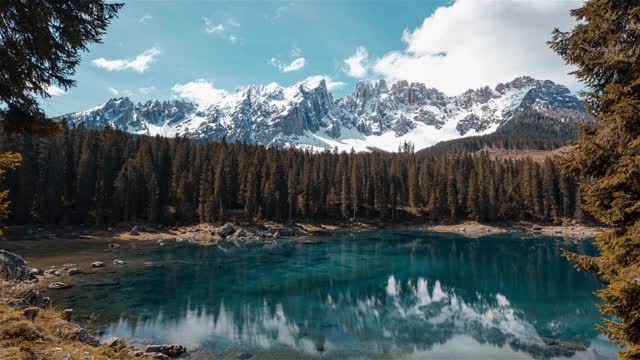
(370, 295)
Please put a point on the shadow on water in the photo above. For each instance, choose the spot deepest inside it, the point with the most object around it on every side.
(383, 294)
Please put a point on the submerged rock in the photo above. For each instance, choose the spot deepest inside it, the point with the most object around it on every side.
(74, 271)
(58, 285)
(118, 262)
(154, 355)
(172, 350)
(150, 264)
(13, 266)
(114, 246)
(245, 356)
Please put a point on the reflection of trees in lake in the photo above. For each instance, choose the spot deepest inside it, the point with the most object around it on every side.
(337, 294)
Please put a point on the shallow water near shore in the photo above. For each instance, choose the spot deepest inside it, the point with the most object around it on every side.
(367, 295)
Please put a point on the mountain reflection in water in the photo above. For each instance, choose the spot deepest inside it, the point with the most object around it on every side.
(377, 295)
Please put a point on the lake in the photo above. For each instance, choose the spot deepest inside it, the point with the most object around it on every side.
(366, 295)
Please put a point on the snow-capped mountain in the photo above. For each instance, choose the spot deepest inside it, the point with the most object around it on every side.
(306, 114)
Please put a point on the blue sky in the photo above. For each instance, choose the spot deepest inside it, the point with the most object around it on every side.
(167, 49)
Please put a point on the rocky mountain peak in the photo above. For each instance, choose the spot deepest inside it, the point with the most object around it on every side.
(376, 114)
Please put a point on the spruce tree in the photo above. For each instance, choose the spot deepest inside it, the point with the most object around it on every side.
(604, 48)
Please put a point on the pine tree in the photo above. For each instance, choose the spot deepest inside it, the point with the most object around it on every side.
(604, 48)
(220, 188)
(344, 196)
(41, 46)
(292, 193)
(452, 194)
(355, 187)
(473, 197)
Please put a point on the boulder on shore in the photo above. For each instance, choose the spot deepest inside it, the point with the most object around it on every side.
(31, 313)
(115, 342)
(66, 314)
(118, 262)
(51, 272)
(35, 298)
(17, 303)
(36, 271)
(171, 350)
(135, 231)
(97, 264)
(225, 230)
(13, 266)
(287, 231)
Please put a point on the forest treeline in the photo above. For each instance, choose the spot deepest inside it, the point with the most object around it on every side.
(528, 130)
(86, 176)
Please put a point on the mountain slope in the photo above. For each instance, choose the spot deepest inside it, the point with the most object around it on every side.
(306, 114)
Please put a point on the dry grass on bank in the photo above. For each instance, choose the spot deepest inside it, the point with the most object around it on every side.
(48, 337)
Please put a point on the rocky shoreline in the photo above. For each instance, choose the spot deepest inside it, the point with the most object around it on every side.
(212, 234)
(30, 320)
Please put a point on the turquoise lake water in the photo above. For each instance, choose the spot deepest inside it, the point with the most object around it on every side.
(369, 295)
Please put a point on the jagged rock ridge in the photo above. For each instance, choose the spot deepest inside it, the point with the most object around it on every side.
(375, 115)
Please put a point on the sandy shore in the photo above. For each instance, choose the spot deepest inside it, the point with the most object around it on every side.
(209, 234)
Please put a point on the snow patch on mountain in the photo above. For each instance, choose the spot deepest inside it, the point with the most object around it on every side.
(374, 116)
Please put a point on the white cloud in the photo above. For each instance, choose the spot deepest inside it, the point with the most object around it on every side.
(145, 19)
(54, 90)
(199, 91)
(220, 29)
(139, 64)
(294, 65)
(213, 28)
(114, 91)
(473, 43)
(357, 63)
(331, 84)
